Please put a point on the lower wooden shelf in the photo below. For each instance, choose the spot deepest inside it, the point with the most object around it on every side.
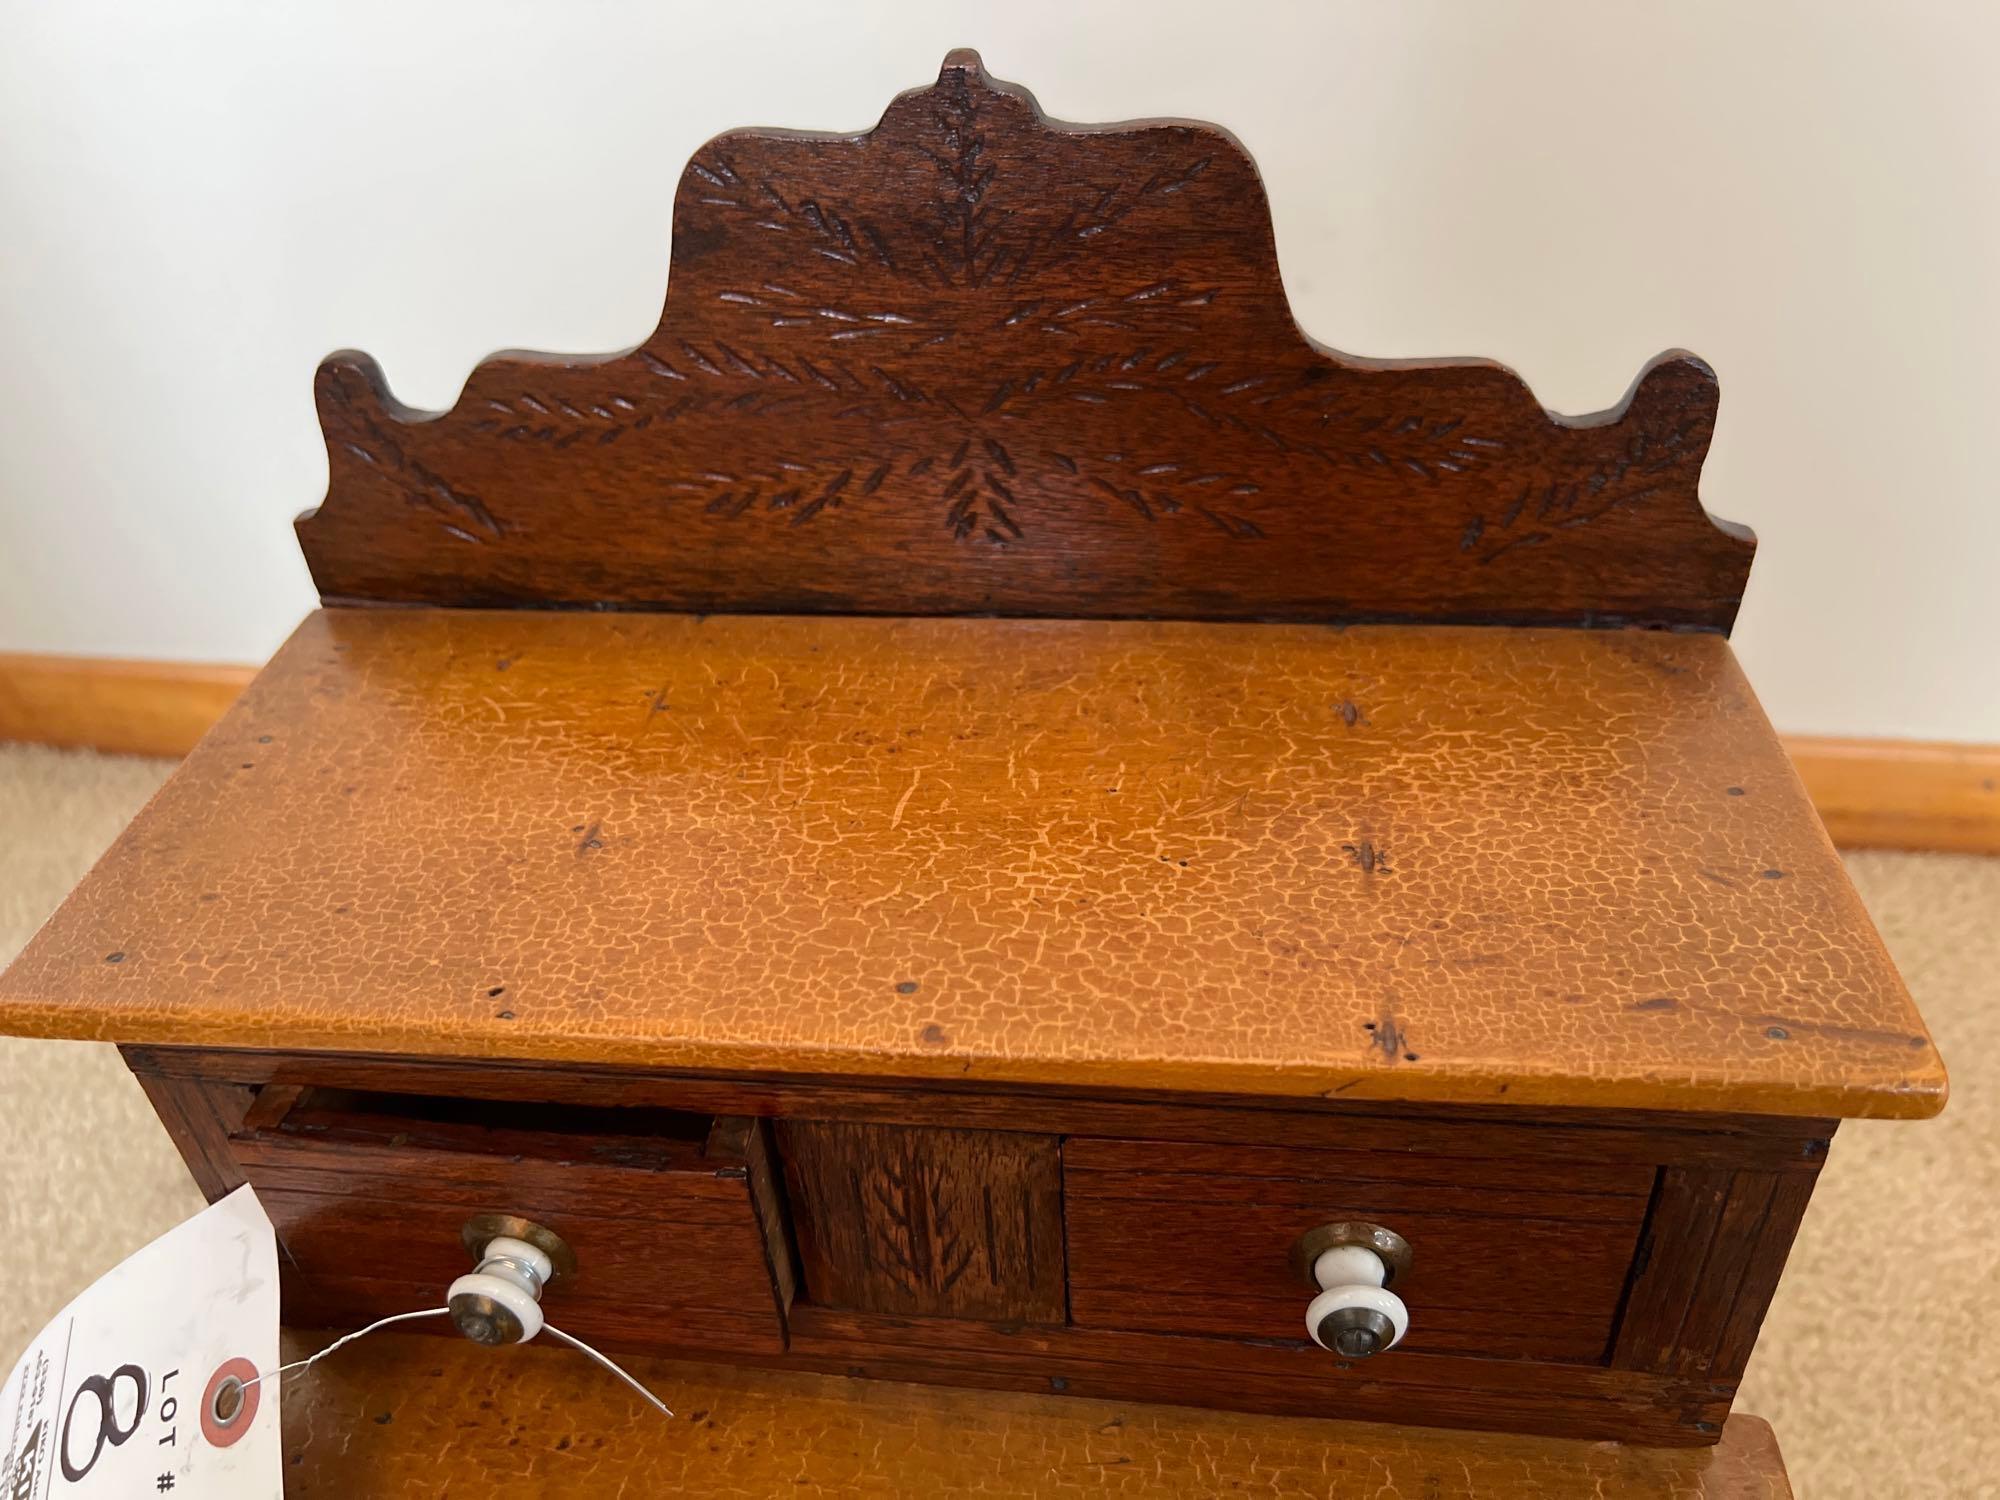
(395, 1416)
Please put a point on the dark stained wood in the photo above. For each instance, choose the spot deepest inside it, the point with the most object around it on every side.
(975, 361)
(1587, 1188)
(402, 1418)
(714, 1318)
(664, 1275)
(1737, 1242)
(1287, 1377)
(767, 1200)
(1073, 853)
(274, 1101)
(1708, 1265)
(1439, 1389)
(476, 1182)
(1777, 1143)
(1509, 1263)
(894, 1219)
(1196, 1174)
(1737, 1335)
(1667, 1272)
(353, 1124)
(199, 1113)
(668, 1215)
(820, 1330)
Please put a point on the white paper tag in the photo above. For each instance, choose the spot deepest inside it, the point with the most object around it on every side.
(109, 1401)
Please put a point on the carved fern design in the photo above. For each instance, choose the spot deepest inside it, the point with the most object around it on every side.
(1635, 476)
(424, 487)
(913, 1216)
(977, 468)
(971, 332)
(967, 438)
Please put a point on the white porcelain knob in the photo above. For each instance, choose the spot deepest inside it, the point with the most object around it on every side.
(481, 1292)
(500, 1300)
(1355, 1315)
(531, 1258)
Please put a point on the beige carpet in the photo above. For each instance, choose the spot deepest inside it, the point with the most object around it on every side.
(1880, 1365)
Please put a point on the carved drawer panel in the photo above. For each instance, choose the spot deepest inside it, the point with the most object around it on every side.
(1511, 1259)
(949, 1223)
(671, 1215)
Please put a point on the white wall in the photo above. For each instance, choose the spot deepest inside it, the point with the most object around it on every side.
(200, 199)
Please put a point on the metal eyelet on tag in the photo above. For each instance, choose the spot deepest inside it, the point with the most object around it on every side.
(229, 1402)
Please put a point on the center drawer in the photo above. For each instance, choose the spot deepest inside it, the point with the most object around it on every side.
(1511, 1259)
(672, 1215)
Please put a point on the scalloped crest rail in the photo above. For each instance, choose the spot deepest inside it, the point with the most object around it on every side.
(974, 361)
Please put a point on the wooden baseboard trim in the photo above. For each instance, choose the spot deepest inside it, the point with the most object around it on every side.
(1903, 794)
(121, 707)
(1872, 794)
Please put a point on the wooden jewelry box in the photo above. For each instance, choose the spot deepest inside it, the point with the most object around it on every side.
(978, 803)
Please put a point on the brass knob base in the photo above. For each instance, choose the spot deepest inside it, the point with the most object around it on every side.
(482, 1229)
(1389, 1245)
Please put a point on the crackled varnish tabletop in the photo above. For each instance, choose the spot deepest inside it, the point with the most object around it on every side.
(413, 1417)
(1539, 867)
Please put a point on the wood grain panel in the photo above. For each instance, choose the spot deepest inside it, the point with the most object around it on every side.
(1715, 1243)
(1667, 1272)
(368, 1193)
(1436, 1389)
(1277, 1376)
(1586, 1187)
(1568, 1159)
(637, 1278)
(473, 1182)
(897, 1220)
(743, 1331)
(974, 361)
(773, 1217)
(1449, 1390)
(1739, 1235)
(1736, 1336)
(1511, 1133)
(408, 1419)
(1507, 1265)
(199, 1114)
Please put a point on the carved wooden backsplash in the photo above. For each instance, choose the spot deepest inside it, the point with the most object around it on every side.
(974, 361)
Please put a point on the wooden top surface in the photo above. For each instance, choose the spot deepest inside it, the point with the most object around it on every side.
(1437, 864)
(418, 1417)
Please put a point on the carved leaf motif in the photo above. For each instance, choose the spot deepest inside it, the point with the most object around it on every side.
(974, 361)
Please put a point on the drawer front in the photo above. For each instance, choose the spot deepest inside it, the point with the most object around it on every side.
(1511, 1259)
(670, 1216)
(932, 1222)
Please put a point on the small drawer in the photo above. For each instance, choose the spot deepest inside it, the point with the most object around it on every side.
(672, 1215)
(1511, 1259)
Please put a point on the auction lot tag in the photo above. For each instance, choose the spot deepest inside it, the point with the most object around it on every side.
(115, 1397)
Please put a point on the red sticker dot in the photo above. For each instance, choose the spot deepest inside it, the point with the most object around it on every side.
(221, 1434)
